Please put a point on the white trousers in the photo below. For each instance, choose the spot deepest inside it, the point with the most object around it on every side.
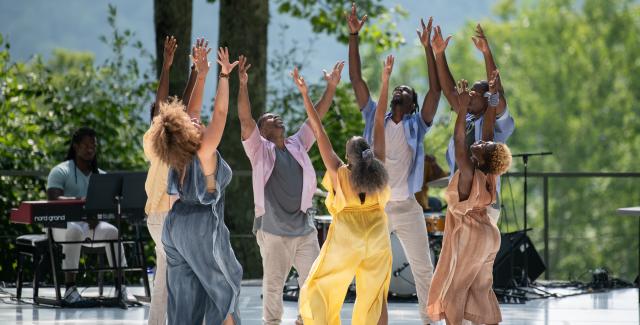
(406, 219)
(78, 231)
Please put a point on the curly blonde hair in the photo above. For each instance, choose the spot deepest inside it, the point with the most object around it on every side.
(499, 159)
(175, 138)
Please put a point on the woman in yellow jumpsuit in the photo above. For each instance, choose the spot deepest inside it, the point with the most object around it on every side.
(358, 241)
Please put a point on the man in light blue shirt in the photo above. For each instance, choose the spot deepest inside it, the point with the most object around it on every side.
(405, 128)
(70, 180)
(504, 125)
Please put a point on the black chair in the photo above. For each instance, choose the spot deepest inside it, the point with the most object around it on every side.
(35, 246)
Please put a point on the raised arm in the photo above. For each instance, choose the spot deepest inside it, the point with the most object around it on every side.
(212, 134)
(430, 103)
(379, 146)
(489, 120)
(247, 123)
(331, 160)
(170, 46)
(463, 160)
(439, 45)
(482, 44)
(194, 106)
(332, 79)
(193, 73)
(355, 70)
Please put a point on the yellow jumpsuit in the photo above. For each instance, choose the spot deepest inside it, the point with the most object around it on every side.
(357, 244)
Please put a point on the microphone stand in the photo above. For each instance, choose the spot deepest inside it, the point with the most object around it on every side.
(525, 160)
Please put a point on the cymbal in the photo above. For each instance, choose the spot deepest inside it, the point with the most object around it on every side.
(440, 182)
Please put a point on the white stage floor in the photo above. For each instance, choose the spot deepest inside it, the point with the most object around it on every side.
(613, 307)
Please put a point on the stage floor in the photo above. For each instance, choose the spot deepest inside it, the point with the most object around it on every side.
(613, 307)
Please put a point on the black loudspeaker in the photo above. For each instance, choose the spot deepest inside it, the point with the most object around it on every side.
(508, 268)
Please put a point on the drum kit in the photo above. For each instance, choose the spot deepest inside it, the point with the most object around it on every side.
(402, 284)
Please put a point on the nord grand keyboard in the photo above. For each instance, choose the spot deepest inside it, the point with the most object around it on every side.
(49, 213)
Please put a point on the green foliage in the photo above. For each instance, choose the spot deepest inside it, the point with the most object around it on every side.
(44, 102)
(570, 70)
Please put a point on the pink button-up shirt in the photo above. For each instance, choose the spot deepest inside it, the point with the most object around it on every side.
(262, 155)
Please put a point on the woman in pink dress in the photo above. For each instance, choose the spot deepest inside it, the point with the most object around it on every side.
(463, 280)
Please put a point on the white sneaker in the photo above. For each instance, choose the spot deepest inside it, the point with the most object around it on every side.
(124, 294)
(71, 295)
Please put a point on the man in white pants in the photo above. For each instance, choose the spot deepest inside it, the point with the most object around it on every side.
(284, 182)
(405, 128)
(70, 180)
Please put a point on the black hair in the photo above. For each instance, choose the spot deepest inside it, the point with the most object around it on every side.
(414, 98)
(77, 137)
(484, 85)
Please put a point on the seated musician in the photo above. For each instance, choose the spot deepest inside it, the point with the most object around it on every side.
(432, 172)
(70, 180)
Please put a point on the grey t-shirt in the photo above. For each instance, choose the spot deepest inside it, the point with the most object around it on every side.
(70, 179)
(282, 194)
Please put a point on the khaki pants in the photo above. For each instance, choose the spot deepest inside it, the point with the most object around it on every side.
(279, 254)
(406, 219)
(158, 309)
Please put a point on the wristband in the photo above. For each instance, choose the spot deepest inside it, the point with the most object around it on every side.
(224, 75)
(492, 99)
(354, 34)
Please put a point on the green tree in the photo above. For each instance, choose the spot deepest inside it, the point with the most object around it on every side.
(570, 71)
(44, 102)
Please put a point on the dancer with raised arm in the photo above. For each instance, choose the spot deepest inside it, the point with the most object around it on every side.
(358, 241)
(462, 284)
(283, 185)
(158, 201)
(479, 103)
(405, 126)
(203, 274)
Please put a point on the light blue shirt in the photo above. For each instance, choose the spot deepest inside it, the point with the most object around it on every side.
(70, 179)
(502, 131)
(414, 131)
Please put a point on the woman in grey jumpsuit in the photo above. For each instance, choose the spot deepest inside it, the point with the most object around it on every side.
(203, 274)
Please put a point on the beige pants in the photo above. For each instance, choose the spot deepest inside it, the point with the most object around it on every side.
(158, 309)
(79, 231)
(406, 219)
(279, 253)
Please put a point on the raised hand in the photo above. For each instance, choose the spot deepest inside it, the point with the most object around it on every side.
(463, 97)
(354, 23)
(480, 40)
(170, 46)
(333, 78)
(200, 60)
(243, 67)
(438, 43)
(388, 67)
(425, 34)
(299, 81)
(223, 60)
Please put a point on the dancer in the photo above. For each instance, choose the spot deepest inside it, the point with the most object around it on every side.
(283, 185)
(70, 180)
(158, 201)
(203, 274)
(504, 124)
(358, 242)
(462, 284)
(404, 127)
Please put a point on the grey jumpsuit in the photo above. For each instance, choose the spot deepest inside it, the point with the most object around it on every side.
(203, 274)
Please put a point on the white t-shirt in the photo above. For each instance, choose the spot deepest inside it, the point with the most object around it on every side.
(398, 160)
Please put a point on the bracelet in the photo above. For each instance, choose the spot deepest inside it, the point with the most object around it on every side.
(224, 75)
(492, 99)
(354, 34)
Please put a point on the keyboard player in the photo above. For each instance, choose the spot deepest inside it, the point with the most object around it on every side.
(70, 180)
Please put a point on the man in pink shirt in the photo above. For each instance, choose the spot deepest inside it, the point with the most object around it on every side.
(283, 185)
